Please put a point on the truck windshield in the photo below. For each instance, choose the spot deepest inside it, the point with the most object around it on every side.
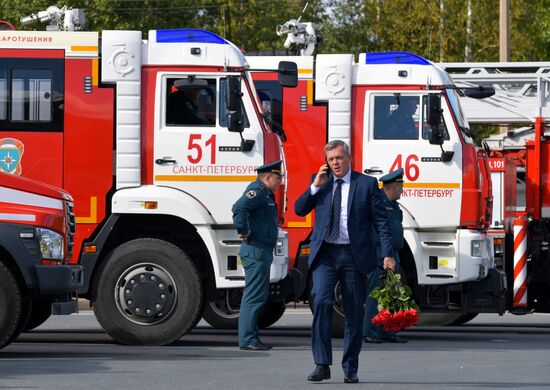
(459, 115)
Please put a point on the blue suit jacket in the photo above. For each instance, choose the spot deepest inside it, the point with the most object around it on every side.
(366, 210)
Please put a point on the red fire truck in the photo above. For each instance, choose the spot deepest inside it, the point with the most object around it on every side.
(155, 140)
(447, 200)
(36, 241)
(520, 155)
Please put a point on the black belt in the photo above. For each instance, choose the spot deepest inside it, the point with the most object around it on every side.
(336, 245)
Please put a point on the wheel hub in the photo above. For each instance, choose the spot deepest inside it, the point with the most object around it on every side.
(146, 294)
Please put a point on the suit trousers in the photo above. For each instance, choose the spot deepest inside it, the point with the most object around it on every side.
(335, 264)
(256, 262)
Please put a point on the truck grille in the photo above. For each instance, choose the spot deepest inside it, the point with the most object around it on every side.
(71, 228)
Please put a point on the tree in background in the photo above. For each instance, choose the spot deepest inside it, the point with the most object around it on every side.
(436, 29)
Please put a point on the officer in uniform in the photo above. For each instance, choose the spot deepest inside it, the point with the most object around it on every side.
(255, 217)
(392, 190)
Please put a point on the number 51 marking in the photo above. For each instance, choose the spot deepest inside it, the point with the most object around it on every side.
(195, 146)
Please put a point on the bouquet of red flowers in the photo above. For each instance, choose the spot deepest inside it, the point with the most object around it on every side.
(396, 309)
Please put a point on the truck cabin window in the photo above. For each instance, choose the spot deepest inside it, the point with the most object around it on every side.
(190, 101)
(396, 117)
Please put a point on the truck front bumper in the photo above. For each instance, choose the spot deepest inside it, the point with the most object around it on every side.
(61, 283)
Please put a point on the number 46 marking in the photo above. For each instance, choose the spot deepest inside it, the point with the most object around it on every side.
(412, 171)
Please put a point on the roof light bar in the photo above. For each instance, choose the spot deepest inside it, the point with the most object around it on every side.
(395, 57)
(188, 35)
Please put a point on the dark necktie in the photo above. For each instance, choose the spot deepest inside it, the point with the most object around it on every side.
(334, 227)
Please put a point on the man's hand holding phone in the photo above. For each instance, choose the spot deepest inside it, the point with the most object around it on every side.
(322, 175)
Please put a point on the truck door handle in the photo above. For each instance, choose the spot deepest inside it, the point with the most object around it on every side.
(165, 161)
(372, 170)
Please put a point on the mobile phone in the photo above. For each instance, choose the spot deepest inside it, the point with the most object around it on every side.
(329, 170)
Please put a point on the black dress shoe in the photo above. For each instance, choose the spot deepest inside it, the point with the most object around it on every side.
(373, 340)
(256, 347)
(396, 339)
(351, 378)
(320, 373)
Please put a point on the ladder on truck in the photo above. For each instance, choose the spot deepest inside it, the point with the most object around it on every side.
(522, 94)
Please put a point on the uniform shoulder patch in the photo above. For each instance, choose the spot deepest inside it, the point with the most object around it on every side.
(251, 194)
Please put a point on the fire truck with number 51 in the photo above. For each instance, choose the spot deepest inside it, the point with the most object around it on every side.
(155, 140)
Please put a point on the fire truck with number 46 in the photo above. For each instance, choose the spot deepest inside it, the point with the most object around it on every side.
(155, 140)
(396, 110)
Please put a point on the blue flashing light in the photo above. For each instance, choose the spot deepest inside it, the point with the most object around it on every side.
(395, 57)
(188, 35)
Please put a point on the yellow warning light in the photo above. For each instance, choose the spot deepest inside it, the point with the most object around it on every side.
(151, 205)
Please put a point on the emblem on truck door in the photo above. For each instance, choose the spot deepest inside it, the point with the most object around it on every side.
(11, 152)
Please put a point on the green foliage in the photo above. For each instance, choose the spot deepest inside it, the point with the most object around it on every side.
(392, 295)
(435, 29)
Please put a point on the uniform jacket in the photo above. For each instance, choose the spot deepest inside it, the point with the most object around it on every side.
(256, 212)
(395, 217)
(365, 210)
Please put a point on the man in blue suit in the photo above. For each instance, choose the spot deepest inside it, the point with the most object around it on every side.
(348, 205)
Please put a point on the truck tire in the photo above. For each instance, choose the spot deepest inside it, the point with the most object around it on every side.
(271, 313)
(438, 319)
(10, 306)
(222, 311)
(149, 293)
(40, 311)
(463, 319)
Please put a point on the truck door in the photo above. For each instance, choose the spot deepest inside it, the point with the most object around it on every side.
(396, 135)
(194, 151)
(31, 114)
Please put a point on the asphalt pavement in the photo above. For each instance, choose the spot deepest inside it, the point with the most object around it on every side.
(72, 352)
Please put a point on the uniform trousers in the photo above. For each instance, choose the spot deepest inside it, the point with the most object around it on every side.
(256, 262)
(334, 263)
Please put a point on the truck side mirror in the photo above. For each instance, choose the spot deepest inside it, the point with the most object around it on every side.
(434, 109)
(287, 74)
(479, 92)
(433, 118)
(233, 97)
(235, 122)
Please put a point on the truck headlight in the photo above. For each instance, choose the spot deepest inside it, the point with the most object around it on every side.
(51, 244)
(476, 248)
(279, 247)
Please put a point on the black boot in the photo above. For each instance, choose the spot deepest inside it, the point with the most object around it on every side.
(321, 372)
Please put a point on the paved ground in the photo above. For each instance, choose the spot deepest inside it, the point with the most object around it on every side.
(492, 352)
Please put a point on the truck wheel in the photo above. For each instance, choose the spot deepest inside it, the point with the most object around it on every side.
(10, 305)
(222, 312)
(463, 319)
(41, 310)
(438, 319)
(271, 313)
(149, 293)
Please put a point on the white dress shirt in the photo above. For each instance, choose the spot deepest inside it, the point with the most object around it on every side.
(343, 237)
